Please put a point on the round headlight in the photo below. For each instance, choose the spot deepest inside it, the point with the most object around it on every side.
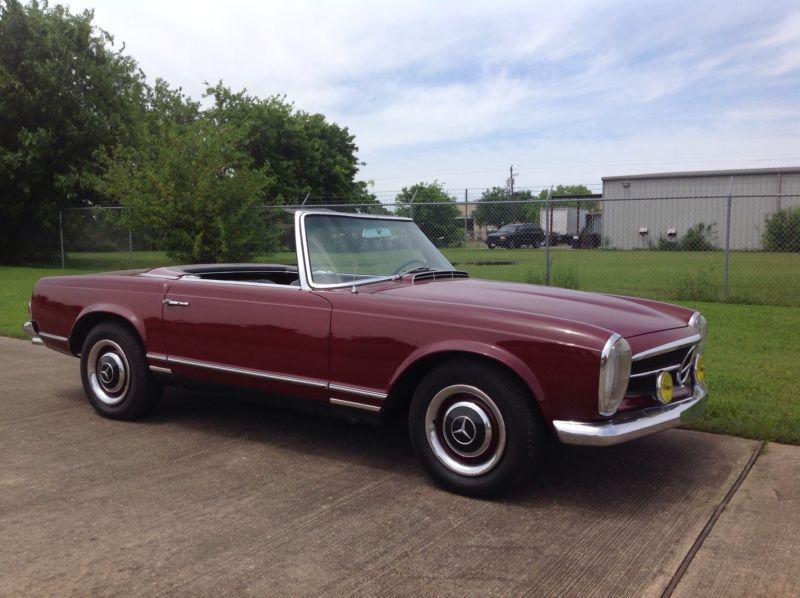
(699, 323)
(615, 370)
(700, 369)
(664, 387)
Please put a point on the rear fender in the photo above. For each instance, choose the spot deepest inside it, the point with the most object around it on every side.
(96, 312)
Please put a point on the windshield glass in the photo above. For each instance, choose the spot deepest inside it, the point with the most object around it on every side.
(344, 249)
(508, 228)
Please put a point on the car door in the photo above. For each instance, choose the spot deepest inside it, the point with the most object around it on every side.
(271, 337)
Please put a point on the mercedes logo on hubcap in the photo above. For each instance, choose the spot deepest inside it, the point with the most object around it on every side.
(463, 430)
(106, 373)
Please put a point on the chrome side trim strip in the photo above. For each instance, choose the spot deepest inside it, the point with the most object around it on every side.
(263, 285)
(666, 348)
(651, 372)
(341, 403)
(157, 356)
(358, 392)
(247, 372)
(53, 337)
(631, 426)
(164, 276)
(160, 370)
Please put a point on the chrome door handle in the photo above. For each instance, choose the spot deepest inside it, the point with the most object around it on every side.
(172, 302)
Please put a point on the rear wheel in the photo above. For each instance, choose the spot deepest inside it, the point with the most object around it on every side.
(475, 428)
(115, 375)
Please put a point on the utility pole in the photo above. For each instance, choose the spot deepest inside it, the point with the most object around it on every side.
(511, 180)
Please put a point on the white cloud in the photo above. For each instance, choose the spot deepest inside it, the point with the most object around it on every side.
(427, 86)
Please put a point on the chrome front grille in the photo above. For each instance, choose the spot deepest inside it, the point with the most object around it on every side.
(679, 362)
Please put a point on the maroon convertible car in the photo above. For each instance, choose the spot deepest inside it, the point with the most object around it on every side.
(374, 320)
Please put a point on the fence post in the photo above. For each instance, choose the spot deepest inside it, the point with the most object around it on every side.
(548, 229)
(130, 245)
(466, 210)
(61, 235)
(727, 243)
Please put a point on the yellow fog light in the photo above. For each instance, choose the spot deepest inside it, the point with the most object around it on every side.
(664, 387)
(700, 369)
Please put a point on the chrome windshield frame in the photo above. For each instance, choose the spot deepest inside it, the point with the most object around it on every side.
(303, 256)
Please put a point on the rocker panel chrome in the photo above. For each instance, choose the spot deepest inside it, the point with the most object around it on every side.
(342, 403)
(247, 372)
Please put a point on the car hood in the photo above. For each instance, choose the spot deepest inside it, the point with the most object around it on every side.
(627, 317)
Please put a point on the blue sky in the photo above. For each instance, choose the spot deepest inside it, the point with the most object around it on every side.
(457, 91)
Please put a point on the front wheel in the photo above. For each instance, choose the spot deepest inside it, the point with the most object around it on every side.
(115, 375)
(475, 428)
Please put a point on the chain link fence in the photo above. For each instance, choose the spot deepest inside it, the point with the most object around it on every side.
(739, 247)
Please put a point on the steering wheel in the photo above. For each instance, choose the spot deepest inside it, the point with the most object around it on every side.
(406, 265)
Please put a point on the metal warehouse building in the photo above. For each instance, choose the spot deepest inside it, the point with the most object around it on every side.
(639, 210)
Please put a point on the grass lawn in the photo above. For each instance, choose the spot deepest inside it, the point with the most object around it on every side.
(752, 350)
(754, 277)
(751, 360)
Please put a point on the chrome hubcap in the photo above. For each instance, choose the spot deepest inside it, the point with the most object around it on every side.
(465, 430)
(109, 373)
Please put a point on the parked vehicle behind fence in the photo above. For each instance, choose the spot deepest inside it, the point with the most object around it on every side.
(516, 235)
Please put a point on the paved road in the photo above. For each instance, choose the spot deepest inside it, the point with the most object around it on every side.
(215, 495)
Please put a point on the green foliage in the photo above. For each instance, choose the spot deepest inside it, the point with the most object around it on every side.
(700, 237)
(303, 153)
(570, 191)
(194, 184)
(698, 286)
(64, 94)
(435, 212)
(782, 231)
(494, 209)
(566, 278)
(74, 107)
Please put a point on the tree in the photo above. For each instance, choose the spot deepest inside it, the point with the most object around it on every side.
(192, 182)
(782, 230)
(434, 211)
(65, 93)
(572, 191)
(304, 153)
(498, 207)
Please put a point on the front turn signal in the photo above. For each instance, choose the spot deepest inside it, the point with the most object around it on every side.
(700, 369)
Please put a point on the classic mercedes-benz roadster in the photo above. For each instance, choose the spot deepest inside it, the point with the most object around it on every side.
(374, 320)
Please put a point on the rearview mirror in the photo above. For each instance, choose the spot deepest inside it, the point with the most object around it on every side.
(376, 233)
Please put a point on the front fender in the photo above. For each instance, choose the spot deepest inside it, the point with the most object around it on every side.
(494, 353)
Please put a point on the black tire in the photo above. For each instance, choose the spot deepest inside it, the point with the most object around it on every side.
(475, 428)
(491, 245)
(115, 375)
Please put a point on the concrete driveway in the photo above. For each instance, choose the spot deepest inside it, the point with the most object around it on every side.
(214, 495)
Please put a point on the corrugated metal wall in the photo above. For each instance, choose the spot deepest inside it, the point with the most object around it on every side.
(681, 202)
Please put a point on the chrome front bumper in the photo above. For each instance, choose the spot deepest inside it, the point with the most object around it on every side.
(32, 330)
(628, 426)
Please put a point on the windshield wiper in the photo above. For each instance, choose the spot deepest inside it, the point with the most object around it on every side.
(412, 271)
